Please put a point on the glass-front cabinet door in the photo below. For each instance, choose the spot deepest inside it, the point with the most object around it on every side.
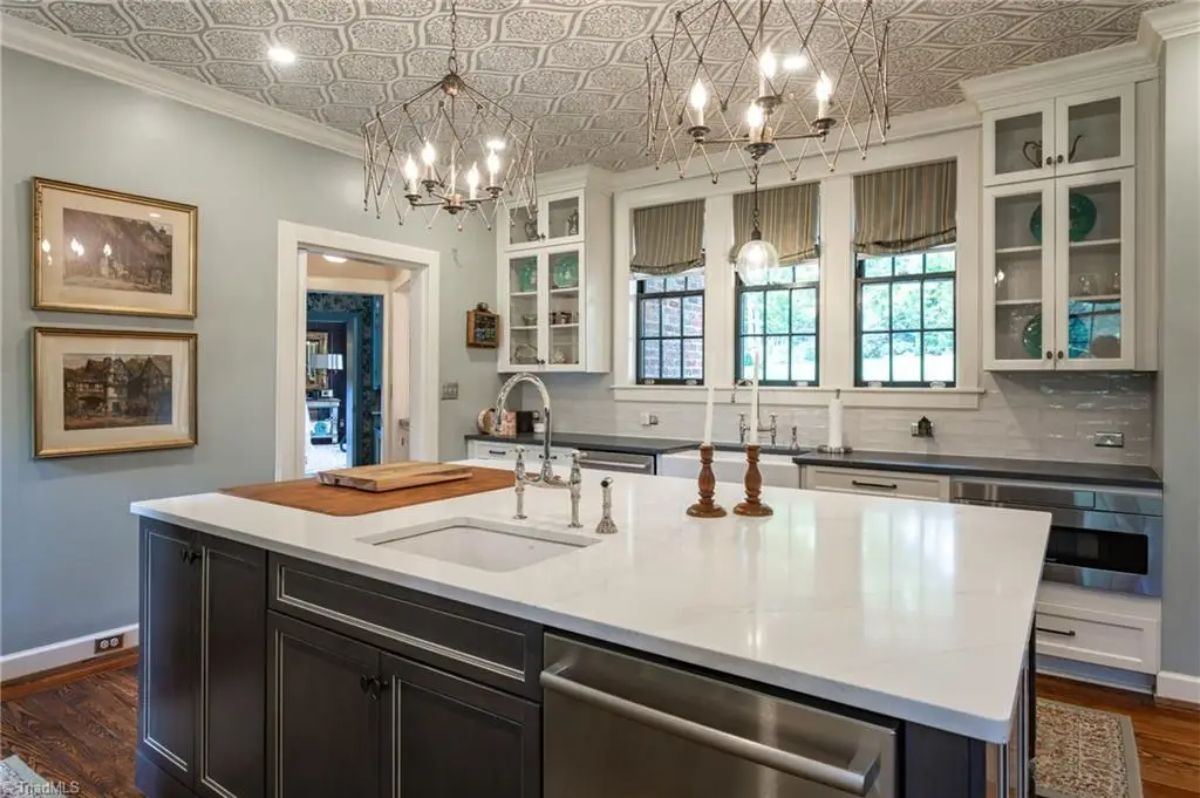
(1094, 130)
(564, 270)
(522, 226)
(564, 217)
(524, 316)
(1019, 251)
(1095, 249)
(1018, 143)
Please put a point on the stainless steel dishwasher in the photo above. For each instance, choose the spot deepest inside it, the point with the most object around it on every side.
(616, 725)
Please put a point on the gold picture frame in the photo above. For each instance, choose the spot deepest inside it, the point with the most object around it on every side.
(101, 251)
(121, 391)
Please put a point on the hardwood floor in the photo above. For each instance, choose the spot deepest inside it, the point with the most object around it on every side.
(83, 731)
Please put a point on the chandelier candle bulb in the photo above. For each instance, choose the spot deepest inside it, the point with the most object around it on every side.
(755, 121)
(428, 157)
(766, 72)
(824, 91)
(698, 98)
(411, 173)
(472, 181)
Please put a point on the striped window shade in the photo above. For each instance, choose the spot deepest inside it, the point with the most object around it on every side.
(668, 239)
(905, 210)
(787, 217)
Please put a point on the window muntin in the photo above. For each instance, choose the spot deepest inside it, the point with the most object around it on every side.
(670, 329)
(905, 319)
(777, 323)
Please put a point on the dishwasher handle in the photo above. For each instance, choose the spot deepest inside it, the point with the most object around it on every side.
(857, 778)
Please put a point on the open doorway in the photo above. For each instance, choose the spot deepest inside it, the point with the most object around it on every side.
(356, 370)
(355, 397)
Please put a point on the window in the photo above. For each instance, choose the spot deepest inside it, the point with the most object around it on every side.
(670, 329)
(905, 319)
(777, 325)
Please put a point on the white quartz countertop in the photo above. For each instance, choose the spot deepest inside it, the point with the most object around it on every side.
(916, 610)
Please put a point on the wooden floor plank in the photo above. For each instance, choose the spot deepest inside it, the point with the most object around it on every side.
(84, 732)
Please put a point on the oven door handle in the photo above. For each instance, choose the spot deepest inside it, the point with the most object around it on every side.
(857, 778)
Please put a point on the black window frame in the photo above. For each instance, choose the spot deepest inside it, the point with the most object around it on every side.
(639, 377)
(740, 288)
(925, 275)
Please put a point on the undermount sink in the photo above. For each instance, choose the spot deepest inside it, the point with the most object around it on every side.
(487, 545)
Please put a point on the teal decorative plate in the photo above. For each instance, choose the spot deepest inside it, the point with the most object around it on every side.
(566, 272)
(1083, 217)
(1077, 333)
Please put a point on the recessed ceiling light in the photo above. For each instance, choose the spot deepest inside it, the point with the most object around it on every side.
(334, 258)
(281, 55)
(155, 215)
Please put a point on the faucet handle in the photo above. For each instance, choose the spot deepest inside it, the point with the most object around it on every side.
(519, 466)
(576, 475)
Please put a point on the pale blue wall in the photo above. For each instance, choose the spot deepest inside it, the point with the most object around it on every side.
(68, 552)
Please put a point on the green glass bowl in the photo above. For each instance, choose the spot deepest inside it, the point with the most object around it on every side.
(1083, 217)
(1077, 335)
(566, 272)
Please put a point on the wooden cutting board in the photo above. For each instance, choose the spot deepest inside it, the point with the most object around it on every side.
(394, 476)
(311, 495)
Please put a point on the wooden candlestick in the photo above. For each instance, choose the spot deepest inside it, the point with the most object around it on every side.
(752, 506)
(706, 507)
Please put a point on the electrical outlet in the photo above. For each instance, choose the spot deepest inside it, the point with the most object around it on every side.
(449, 390)
(649, 420)
(1110, 440)
(105, 645)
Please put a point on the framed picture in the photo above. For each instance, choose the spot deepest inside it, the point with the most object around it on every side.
(98, 391)
(97, 251)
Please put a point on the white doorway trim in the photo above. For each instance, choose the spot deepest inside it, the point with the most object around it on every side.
(291, 315)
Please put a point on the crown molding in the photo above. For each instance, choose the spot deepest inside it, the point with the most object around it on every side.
(35, 40)
(1169, 22)
(1123, 63)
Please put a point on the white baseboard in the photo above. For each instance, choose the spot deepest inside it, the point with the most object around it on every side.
(55, 655)
(1178, 687)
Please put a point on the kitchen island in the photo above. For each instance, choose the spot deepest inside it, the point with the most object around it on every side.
(348, 662)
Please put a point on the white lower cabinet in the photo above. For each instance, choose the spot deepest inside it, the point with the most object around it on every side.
(1115, 630)
(730, 467)
(899, 485)
(493, 450)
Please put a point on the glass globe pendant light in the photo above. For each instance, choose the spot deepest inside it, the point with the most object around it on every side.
(755, 256)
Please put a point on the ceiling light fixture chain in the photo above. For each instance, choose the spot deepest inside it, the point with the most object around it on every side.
(448, 148)
(752, 56)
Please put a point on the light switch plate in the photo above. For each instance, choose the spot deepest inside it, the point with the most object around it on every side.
(449, 390)
(1110, 440)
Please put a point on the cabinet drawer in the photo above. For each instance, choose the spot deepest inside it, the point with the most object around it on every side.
(485, 646)
(491, 450)
(878, 483)
(1117, 642)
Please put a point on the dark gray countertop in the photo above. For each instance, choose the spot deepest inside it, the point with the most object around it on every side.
(627, 444)
(1129, 476)
(997, 467)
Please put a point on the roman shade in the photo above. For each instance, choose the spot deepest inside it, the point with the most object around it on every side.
(668, 239)
(905, 210)
(787, 217)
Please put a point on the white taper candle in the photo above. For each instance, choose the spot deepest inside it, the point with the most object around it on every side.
(708, 418)
(754, 402)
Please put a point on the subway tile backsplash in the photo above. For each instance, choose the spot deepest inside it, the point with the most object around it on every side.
(1031, 416)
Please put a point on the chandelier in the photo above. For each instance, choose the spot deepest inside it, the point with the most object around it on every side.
(448, 148)
(734, 80)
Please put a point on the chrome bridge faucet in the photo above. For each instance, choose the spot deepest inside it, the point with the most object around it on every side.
(546, 477)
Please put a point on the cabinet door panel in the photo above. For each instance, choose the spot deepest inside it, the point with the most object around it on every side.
(233, 620)
(168, 667)
(324, 721)
(1094, 131)
(1017, 142)
(451, 738)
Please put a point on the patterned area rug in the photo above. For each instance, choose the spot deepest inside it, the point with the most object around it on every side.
(1085, 753)
(18, 781)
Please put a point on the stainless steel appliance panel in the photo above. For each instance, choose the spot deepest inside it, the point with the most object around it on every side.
(1104, 538)
(617, 461)
(616, 725)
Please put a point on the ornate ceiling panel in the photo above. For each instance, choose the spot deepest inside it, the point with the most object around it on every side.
(578, 62)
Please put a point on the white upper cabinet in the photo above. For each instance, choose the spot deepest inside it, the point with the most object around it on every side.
(1059, 279)
(1060, 136)
(554, 277)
